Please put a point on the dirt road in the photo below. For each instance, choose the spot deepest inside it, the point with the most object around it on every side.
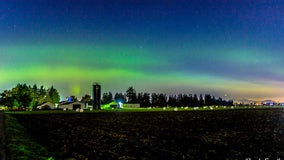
(2, 137)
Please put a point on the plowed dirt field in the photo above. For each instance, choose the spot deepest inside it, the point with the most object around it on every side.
(222, 134)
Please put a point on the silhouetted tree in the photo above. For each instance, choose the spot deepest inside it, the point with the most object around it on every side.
(189, 100)
(201, 101)
(119, 97)
(230, 103)
(172, 101)
(42, 95)
(143, 99)
(87, 99)
(162, 100)
(107, 98)
(7, 98)
(208, 100)
(131, 95)
(154, 100)
(184, 100)
(53, 95)
(24, 96)
(180, 100)
(214, 101)
(146, 100)
(219, 102)
(140, 99)
(195, 101)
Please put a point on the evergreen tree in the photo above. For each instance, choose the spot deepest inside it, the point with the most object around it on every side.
(33, 94)
(146, 100)
(201, 101)
(119, 97)
(107, 98)
(131, 95)
(140, 99)
(195, 100)
(41, 95)
(155, 100)
(208, 100)
(180, 100)
(172, 101)
(162, 100)
(53, 95)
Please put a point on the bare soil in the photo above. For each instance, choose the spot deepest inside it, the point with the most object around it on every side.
(2, 137)
(220, 134)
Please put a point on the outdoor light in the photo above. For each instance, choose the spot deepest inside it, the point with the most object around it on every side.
(120, 104)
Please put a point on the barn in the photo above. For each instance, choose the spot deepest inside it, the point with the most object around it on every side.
(72, 105)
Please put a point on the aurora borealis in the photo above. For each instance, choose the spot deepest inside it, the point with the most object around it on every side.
(233, 49)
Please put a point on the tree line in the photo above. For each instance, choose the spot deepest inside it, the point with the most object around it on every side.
(162, 100)
(24, 96)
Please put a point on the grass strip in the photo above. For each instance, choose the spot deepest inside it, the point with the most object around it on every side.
(20, 146)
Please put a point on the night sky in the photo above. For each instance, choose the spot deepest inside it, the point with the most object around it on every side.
(228, 48)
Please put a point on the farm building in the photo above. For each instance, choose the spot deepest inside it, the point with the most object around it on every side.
(115, 104)
(112, 104)
(131, 105)
(72, 105)
(268, 103)
(47, 105)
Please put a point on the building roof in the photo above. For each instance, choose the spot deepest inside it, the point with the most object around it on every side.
(268, 101)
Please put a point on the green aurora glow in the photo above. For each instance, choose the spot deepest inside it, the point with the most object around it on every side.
(160, 48)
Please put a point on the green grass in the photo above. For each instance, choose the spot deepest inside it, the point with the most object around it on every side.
(20, 146)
